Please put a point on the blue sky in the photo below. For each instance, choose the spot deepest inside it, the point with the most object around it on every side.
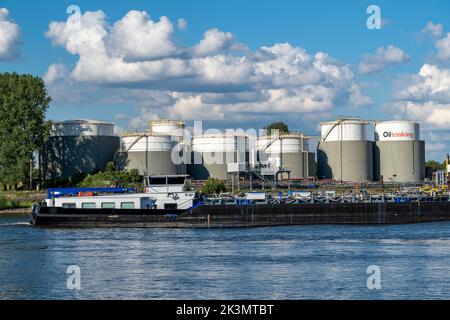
(336, 28)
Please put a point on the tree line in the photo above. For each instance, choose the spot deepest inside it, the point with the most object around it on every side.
(24, 101)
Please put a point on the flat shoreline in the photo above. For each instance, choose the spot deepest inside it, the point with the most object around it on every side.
(15, 212)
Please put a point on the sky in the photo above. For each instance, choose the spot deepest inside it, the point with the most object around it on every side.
(236, 64)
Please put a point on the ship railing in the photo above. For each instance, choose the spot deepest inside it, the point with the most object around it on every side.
(354, 198)
(61, 192)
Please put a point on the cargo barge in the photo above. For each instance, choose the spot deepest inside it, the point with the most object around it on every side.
(166, 204)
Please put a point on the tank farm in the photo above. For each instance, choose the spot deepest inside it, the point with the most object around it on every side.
(350, 152)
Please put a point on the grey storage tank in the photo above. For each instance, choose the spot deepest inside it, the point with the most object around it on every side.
(218, 155)
(158, 151)
(286, 152)
(399, 154)
(344, 152)
(150, 153)
(79, 147)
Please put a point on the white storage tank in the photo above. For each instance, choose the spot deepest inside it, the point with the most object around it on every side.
(150, 153)
(399, 154)
(172, 128)
(344, 152)
(217, 155)
(79, 147)
(286, 152)
(344, 130)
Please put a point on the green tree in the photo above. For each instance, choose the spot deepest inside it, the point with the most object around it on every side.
(23, 104)
(213, 185)
(281, 126)
(434, 165)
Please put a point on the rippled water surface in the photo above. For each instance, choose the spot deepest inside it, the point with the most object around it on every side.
(302, 262)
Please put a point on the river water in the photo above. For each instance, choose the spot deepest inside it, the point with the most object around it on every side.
(299, 262)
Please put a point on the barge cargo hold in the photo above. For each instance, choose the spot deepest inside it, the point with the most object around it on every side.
(166, 203)
(226, 216)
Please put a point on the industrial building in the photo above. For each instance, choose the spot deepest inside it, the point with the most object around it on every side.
(150, 151)
(79, 147)
(399, 154)
(344, 152)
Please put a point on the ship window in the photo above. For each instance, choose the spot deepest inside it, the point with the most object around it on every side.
(88, 205)
(170, 206)
(127, 205)
(69, 205)
(108, 205)
(157, 181)
(175, 180)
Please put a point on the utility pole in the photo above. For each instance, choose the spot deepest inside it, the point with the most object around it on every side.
(31, 174)
(146, 155)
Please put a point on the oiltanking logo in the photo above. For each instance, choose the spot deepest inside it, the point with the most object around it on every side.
(402, 134)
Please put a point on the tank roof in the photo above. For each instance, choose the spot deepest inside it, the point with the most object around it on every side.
(83, 121)
(344, 120)
(167, 121)
(287, 136)
(220, 135)
(396, 121)
(143, 133)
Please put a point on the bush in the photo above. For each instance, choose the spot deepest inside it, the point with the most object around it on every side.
(3, 203)
(6, 203)
(111, 178)
(64, 182)
(213, 186)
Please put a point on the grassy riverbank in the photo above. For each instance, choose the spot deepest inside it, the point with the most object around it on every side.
(18, 202)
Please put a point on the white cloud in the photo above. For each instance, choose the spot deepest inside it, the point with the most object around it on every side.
(9, 37)
(431, 84)
(182, 24)
(435, 147)
(137, 37)
(443, 48)
(215, 42)
(217, 78)
(434, 30)
(435, 150)
(425, 97)
(55, 72)
(383, 58)
(441, 41)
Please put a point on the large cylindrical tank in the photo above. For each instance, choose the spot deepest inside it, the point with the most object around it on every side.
(79, 147)
(150, 153)
(286, 152)
(399, 154)
(172, 128)
(344, 152)
(217, 155)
